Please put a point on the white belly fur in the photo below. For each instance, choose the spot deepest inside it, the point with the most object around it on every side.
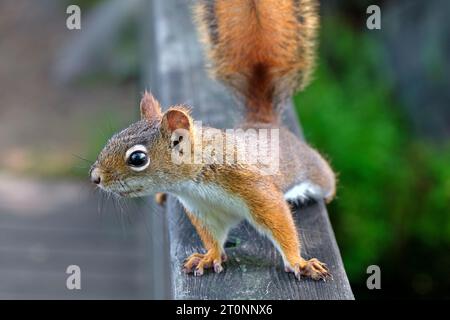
(215, 207)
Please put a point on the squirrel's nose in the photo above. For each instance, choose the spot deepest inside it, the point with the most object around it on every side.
(95, 176)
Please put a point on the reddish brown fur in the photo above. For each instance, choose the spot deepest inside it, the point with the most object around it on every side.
(270, 213)
(150, 108)
(264, 50)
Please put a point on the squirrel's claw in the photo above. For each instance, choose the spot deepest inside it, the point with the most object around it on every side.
(198, 272)
(218, 267)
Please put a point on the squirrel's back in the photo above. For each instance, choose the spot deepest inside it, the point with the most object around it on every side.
(263, 49)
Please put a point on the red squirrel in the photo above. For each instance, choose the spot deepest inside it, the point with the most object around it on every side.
(263, 51)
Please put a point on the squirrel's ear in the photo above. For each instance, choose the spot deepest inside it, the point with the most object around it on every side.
(150, 108)
(176, 118)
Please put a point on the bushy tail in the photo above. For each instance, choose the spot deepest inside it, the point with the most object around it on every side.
(263, 49)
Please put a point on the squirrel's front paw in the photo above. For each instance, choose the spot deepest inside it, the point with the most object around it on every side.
(197, 263)
(161, 198)
(312, 268)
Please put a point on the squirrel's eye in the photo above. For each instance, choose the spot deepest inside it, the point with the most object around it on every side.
(136, 158)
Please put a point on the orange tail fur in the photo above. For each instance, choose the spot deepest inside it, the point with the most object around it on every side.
(262, 49)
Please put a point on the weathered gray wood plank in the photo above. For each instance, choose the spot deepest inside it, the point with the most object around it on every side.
(254, 270)
(40, 236)
(159, 253)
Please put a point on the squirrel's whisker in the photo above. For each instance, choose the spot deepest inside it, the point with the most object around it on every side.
(81, 158)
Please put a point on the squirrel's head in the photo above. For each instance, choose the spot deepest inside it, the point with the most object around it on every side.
(139, 160)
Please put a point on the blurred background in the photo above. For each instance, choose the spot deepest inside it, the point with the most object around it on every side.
(379, 108)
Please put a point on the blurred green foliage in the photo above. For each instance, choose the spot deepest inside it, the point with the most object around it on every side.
(393, 199)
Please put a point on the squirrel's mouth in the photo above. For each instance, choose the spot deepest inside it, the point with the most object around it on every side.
(125, 193)
(123, 189)
(131, 193)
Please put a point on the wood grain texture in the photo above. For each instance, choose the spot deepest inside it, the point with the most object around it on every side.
(177, 74)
